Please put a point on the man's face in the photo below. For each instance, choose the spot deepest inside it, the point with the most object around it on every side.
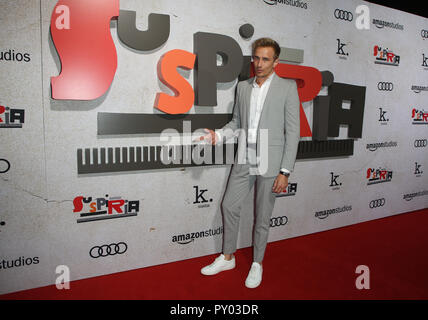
(264, 62)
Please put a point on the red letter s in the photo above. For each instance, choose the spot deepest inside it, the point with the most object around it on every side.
(80, 30)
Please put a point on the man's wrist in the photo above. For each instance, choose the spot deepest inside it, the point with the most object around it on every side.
(284, 173)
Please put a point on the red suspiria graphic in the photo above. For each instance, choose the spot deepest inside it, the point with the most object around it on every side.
(94, 204)
(309, 83)
(380, 174)
(420, 115)
(116, 205)
(78, 204)
(2, 110)
(80, 30)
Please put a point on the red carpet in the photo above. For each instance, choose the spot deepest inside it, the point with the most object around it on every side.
(317, 266)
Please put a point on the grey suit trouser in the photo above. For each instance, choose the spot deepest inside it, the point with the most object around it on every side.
(240, 184)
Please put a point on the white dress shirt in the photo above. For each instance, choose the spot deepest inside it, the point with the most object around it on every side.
(258, 97)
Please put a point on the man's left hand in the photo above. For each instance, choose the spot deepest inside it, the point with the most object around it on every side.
(281, 182)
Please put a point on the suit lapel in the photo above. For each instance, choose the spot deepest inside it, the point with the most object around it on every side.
(247, 102)
(269, 97)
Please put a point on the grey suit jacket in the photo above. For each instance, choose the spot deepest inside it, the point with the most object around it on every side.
(281, 118)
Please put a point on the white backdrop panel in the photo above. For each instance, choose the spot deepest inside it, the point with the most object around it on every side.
(43, 178)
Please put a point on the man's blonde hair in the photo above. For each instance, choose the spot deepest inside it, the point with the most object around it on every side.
(267, 42)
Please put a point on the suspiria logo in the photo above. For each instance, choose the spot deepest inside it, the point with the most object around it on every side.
(81, 34)
(11, 118)
(104, 208)
(380, 175)
(419, 116)
(385, 56)
(82, 37)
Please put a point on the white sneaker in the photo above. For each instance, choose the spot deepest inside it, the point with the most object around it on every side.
(219, 265)
(254, 276)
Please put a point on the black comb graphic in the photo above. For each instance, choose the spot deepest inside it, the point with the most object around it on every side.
(116, 159)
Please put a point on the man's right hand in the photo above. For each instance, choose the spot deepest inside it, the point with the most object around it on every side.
(211, 137)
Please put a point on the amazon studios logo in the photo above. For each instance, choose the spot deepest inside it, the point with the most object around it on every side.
(374, 146)
(192, 236)
(11, 55)
(418, 89)
(325, 213)
(20, 262)
(411, 196)
(294, 3)
(380, 24)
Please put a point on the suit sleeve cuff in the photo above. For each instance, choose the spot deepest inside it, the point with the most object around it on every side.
(219, 134)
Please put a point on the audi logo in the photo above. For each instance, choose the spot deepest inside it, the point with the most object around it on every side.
(2, 167)
(424, 34)
(278, 221)
(385, 86)
(421, 143)
(108, 250)
(377, 203)
(343, 15)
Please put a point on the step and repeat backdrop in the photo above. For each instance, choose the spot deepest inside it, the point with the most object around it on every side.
(100, 101)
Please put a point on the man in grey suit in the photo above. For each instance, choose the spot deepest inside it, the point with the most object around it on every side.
(264, 104)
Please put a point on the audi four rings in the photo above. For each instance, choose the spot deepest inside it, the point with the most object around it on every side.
(385, 86)
(424, 34)
(343, 15)
(7, 166)
(108, 250)
(377, 203)
(421, 143)
(278, 221)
